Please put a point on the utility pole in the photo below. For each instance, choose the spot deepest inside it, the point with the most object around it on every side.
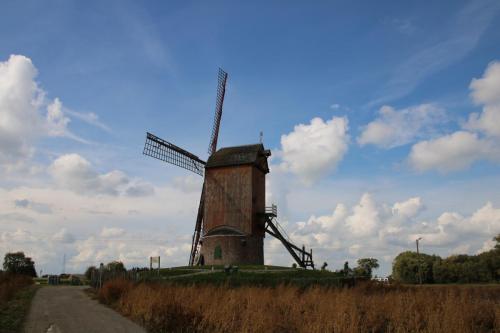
(64, 264)
(101, 268)
(419, 263)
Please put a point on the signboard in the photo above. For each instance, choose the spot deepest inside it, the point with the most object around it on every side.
(154, 260)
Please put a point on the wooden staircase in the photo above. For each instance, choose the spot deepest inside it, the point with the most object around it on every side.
(300, 255)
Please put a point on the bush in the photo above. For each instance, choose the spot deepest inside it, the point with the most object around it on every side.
(113, 290)
(10, 284)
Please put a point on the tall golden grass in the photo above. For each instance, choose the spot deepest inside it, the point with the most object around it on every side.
(366, 308)
(10, 284)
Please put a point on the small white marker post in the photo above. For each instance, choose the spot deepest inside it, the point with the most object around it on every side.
(153, 260)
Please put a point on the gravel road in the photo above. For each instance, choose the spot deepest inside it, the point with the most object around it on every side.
(67, 309)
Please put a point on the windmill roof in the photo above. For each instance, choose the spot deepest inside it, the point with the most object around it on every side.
(240, 155)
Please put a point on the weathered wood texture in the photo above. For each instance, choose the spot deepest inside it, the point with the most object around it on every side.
(235, 196)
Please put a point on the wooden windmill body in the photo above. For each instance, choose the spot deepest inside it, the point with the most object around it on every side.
(232, 218)
(234, 229)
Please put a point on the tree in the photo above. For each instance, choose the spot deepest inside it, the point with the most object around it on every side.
(115, 267)
(18, 263)
(366, 267)
(481, 268)
(89, 271)
(406, 266)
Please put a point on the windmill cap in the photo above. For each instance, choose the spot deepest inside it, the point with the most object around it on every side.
(240, 155)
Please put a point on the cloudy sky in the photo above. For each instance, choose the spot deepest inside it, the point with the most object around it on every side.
(383, 119)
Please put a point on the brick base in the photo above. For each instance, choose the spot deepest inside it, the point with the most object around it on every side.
(234, 250)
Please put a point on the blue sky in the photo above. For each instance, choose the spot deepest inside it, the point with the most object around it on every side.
(121, 68)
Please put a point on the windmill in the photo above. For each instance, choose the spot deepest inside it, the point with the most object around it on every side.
(232, 219)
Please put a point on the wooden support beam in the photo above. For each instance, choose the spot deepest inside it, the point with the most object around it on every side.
(294, 250)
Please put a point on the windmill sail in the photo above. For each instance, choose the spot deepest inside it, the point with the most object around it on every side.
(197, 229)
(219, 102)
(170, 153)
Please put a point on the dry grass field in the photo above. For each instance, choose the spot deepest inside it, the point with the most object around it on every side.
(364, 308)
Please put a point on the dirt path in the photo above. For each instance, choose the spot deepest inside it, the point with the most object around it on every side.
(67, 309)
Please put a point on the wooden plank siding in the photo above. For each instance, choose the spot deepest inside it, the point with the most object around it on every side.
(229, 198)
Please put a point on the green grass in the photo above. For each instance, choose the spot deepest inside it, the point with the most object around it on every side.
(241, 267)
(13, 313)
(185, 270)
(269, 278)
(40, 280)
(246, 275)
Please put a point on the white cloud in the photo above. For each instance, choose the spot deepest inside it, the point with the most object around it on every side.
(487, 219)
(434, 236)
(452, 152)
(355, 249)
(330, 222)
(408, 208)
(26, 114)
(395, 128)
(19, 235)
(449, 218)
(63, 236)
(74, 172)
(20, 100)
(312, 151)
(133, 254)
(90, 118)
(365, 217)
(458, 36)
(487, 121)
(163, 225)
(188, 183)
(376, 230)
(479, 139)
(36, 206)
(162, 222)
(139, 188)
(486, 91)
(487, 245)
(112, 232)
(462, 248)
(56, 121)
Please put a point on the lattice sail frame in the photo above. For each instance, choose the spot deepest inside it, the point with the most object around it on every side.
(219, 102)
(170, 153)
